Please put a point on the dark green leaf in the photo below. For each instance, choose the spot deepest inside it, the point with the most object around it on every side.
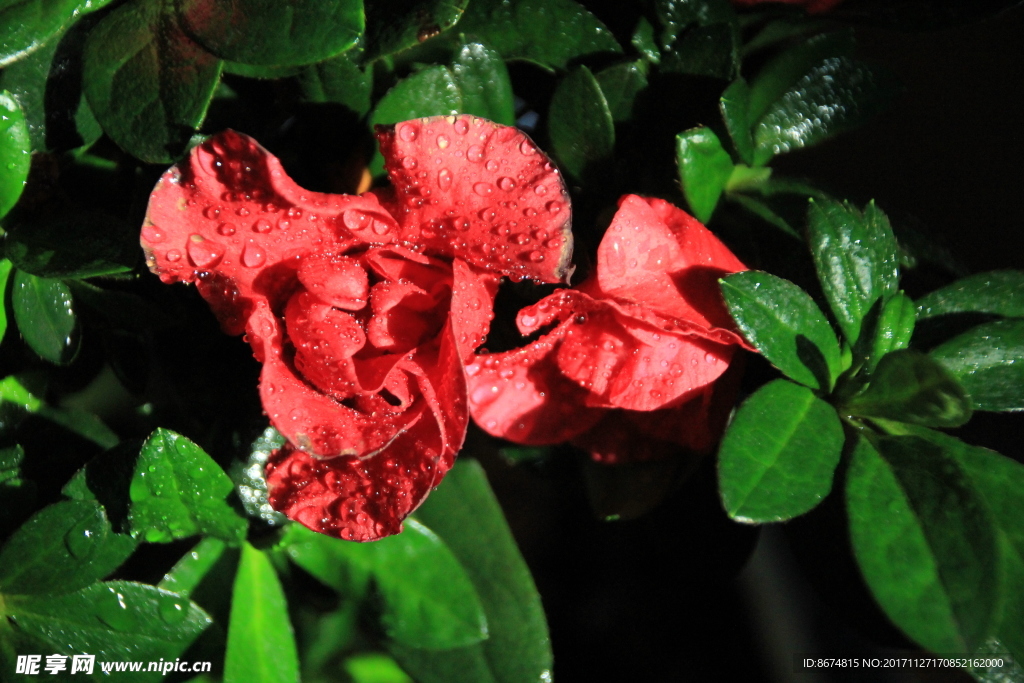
(274, 32)
(115, 621)
(26, 25)
(620, 85)
(835, 96)
(465, 514)
(925, 542)
(429, 602)
(396, 25)
(579, 122)
(5, 275)
(62, 241)
(735, 107)
(81, 422)
(785, 70)
(988, 360)
(338, 80)
(147, 83)
(63, 547)
(765, 212)
(778, 455)
(375, 668)
(630, 490)
(192, 568)
(698, 37)
(121, 310)
(15, 151)
(430, 92)
(894, 326)
(44, 312)
(178, 491)
(261, 644)
(908, 386)
(550, 33)
(704, 169)
(997, 292)
(785, 325)
(643, 41)
(856, 257)
(261, 71)
(483, 80)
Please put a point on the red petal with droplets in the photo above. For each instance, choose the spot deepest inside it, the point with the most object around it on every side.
(474, 189)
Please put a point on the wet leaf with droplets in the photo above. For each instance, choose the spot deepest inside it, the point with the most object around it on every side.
(580, 123)
(988, 360)
(15, 151)
(704, 169)
(45, 314)
(396, 25)
(63, 547)
(483, 79)
(27, 26)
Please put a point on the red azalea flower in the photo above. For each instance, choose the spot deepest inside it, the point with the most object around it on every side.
(641, 347)
(362, 308)
(812, 6)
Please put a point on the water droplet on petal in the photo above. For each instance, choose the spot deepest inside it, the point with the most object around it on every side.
(212, 212)
(540, 190)
(226, 229)
(242, 211)
(407, 132)
(203, 252)
(444, 178)
(356, 220)
(527, 148)
(506, 184)
(152, 234)
(443, 142)
(536, 256)
(491, 165)
(461, 126)
(475, 153)
(253, 255)
(710, 358)
(380, 227)
(173, 255)
(262, 225)
(409, 163)
(483, 189)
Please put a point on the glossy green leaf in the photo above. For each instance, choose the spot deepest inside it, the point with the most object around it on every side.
(620, 85)
(44, 312)
(785, 325)
(778, 455)
(465, 514)
(550, 33)
(178, 491)
(115, 621)
(5, 275)
(997, 292)
(734, 105)
(273, 32)
(338, 80)
(579, 122)
(63, 547)
(988, 360)
(835, 96)
(780, 74)
(68, 242)
(925, 542)
(396, 25)
(190, 570)
(698, 37)
(15, 152)
(704, 169)
(428, 600)
(483, 80)
(908, 386)
(27, 25)
(148, 83)
(430, 92)
(894, 326)
(375, 668)
(644, 42)
(857, 259)
(261, 643)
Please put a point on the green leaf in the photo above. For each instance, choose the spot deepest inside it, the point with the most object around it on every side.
(61, 241)
(785, 325)
(908, 386)
(550, 33)
(579, 122)
(894, 327)
(699, 37)
(430, 92)
(338, 80)
(147, 83)
(396, 25)
(620, 85)
(178, 491)
(835, 96)
(273, 32)
(5, 275)
(115, 621)
(373, 667)
(483, 79)
(428, 601)
(643, 41)
(44, 312)
(465, 514)
(15, 152)
(63, 547)
(78, 421)
(925, 542)
(778, 455)
(856, 257)
(26, 25)
(765, 212)
(734, 105)
(190, 570)
(997, 292)
(780, 74)
(704, 170)
(261, 643)
(988, 360)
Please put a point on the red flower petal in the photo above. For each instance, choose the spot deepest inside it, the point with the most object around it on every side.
(480, 191)
(471, 306)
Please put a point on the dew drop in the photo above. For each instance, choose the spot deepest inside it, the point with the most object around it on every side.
(407, 132)
(553, 207)
(242, 211)
(204, 253)
(172, 609)
(527, 148)
(81, 540)
(540, 190)
(483, 189)
(444, 178)
(173, 255)
(380, 227)
(112, 610)
(409, 163)
(443, 142)
(710, 358)
(152, 234)
(506, 184)
(488, 215)
(226, 229)
(536, 256)
(262, 226)
(461, 126)
(491, 165)
(475, 153)
(521, 238)
(356, 220)
(461, 224)
(253, 255)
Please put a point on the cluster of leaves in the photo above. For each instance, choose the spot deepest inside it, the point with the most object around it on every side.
(99, 96)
